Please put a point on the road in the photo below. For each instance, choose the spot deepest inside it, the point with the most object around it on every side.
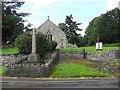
(62, 83)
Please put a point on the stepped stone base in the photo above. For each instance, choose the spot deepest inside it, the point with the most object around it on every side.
(33, 58)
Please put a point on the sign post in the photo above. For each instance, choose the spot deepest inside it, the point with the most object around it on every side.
(99, 46)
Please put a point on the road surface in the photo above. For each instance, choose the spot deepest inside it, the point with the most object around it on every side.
(62, 83)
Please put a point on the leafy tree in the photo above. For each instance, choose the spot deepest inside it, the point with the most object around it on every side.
(12, 21)
(62, 26)
(78, 40)
(71, 26)
(106, 27)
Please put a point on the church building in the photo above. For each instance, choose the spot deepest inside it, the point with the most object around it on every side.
(53, 33)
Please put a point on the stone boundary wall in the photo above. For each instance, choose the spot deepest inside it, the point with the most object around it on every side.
(25, 69)
(6, 59)
(110, 55)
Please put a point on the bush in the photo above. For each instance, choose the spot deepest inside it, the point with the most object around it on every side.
(24, 43)
(53, 45)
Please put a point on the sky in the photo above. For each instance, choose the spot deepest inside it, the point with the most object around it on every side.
(83, 11)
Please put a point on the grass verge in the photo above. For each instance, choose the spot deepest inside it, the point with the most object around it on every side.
(9, 50)
(70, 70)
(2, 70)
(88, 49)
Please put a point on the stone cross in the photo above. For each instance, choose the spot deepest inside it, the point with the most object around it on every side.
(34, 57)
(34, 41)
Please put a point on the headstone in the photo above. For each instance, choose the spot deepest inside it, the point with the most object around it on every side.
(33, 57)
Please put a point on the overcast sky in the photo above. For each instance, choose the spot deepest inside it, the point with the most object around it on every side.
(83, 11)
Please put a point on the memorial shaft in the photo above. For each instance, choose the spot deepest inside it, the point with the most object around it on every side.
(34, 41)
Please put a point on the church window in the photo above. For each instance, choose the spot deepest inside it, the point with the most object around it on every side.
(49, 36)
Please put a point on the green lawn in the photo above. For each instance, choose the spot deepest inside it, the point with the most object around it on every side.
(8, 50)
(2, 70)
(70, 70)
(88, 49)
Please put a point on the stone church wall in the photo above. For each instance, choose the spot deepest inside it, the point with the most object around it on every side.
(57, 34)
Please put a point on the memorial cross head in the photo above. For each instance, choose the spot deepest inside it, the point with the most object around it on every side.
(33, 32)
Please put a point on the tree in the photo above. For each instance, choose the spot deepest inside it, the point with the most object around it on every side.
(12, 21)
(62, 26)
(70, 27)
(78, 40)
(106, 27)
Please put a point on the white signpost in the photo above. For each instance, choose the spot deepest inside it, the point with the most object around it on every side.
(99, 46)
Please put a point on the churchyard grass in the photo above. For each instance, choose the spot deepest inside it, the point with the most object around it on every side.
(70, 70)
(88, 49)
(9, 50)
(2, 70)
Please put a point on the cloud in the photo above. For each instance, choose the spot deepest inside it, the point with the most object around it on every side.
(83, 26)
(39, 3)
(111, 4)
(38, 13)
(53, 11)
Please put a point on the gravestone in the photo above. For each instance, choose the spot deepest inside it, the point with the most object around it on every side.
(34, 57)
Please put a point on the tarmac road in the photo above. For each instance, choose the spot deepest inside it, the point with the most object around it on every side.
(66, 83)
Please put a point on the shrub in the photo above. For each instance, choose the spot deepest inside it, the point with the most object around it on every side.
(24, 44)
(53, 45)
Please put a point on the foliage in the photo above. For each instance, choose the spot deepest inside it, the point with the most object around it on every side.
(70, 27)
(9, 50)
(2, 70)
(77, 40)
(24, 43)
(12, 21)
(106, 27)
(74, 39)
(62, 26)
(70, 70)
(112, 45)
(53, 45)
(88, 49)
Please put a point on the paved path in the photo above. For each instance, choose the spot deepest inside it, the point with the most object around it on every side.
(71, 83)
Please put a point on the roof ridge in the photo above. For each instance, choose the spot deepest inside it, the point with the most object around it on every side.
(52, 23)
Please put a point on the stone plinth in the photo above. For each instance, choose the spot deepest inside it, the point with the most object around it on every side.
(33, 58)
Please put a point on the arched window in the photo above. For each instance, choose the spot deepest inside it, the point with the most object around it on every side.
(49, 36)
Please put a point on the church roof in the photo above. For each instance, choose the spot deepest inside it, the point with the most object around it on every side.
(48, 20)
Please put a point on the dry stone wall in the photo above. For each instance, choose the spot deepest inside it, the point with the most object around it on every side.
(6, 59)
(110, 55)
(25, 69)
